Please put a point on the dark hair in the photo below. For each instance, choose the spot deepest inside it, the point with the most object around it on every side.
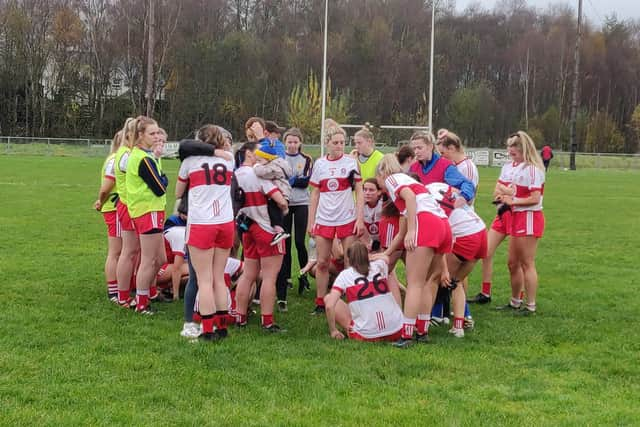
(389, 208)
(358, 256)
(405, 152)
(293, 132)
(211, 134)
(183, 206)
(414, 176)
(372, 181)
(240, 154)
(252, 120)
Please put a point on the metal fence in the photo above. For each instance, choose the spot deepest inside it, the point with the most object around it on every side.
(91, 147)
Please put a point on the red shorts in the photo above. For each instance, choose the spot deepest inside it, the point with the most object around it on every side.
(207, 236)
(113, 224)
(162, 270)
(527, 223)
(339, 231)
(433, 232)
(389, 227)
(256, 243)
(123, 216)
(149, 222)
(502, 224)
(471, 247)
(356, 336)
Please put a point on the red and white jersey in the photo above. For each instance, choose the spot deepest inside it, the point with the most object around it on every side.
(232, 270)
(209, 180)
(372, 219)
(174, 242)
(425, 202)
(110, 168)
(463, 221)
(527, 178)
(469, 170)
(374, 311)
(256, 191)
(336, 205)
(507, 172)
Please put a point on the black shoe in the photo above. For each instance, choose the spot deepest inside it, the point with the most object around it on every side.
(303, 284)
(273, 329)
(402, 343)
(146, 311)
(480, 299)
(222, 333)
(423, 339)
(319, 310)
(508, 307)
(210, 337)
(282, 306)
(524, 312)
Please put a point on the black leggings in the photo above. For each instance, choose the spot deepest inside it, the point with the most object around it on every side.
(296, 218)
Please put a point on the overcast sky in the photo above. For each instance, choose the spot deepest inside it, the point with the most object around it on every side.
(595, 10)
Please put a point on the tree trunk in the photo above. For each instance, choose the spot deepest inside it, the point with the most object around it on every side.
(150, 92)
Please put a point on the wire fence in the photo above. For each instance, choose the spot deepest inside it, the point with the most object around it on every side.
(92, 147)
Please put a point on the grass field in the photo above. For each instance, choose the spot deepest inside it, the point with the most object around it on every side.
(68, 357)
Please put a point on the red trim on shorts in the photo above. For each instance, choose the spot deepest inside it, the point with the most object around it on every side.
(392, 337)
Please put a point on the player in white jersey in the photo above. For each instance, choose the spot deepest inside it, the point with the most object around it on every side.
(372, 212)
(470, 245)
(451, 148)
(499, 230)
(371, 313)
(260, 255)
(210, 227)
(427, 239)
(333, 212)
(175, 271)
(527, 224)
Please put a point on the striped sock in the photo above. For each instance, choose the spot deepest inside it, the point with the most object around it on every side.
(407, 328)
(422, 323)
(112, 288)
(458, 322)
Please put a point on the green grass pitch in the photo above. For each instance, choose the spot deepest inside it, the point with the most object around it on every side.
(68, 357)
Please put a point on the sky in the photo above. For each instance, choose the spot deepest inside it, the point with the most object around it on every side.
(594, 10)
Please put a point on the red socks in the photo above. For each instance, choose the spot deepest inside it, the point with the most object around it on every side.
(458, 322)
(486, 288)
(267, 320)
(407, 328)
(320, 301)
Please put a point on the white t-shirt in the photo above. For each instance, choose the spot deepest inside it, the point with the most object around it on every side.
(209, 180)
(372, 220)
(374, 311)
(463, 221)
(175, 238)
(469, 170)
(336, 205)
(425, 202)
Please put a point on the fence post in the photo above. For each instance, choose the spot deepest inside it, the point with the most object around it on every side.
(8, 144)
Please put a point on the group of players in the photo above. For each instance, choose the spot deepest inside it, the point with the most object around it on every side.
(363, 212)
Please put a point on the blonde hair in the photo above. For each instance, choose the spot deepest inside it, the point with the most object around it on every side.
(522, 141)
(388, 166)
(129, 132)
(141, 123)
(365, 133)
(426, 136)
(333, 131)
(448, 138)
(116, 141)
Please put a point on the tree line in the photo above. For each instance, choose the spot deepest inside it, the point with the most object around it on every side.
(77, 68)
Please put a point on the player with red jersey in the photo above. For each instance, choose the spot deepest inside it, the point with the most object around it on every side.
(371, 313)
(427, 239)
(260, 255)
(527, 225)
(333, 212)
(210, 228)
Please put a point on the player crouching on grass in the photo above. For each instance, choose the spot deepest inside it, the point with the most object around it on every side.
(175, 272)
(371, 312)
(427, 239)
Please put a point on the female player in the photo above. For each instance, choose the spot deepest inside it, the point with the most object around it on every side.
(372, 195)
(333, 213)
(130, 243)
(295, 221)
(106, 203)
(470, 245)
(146, 195)
(371, 312)
(450, 146)
(527, 224)
(427, 239)
(260, 255)
(210, 228)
